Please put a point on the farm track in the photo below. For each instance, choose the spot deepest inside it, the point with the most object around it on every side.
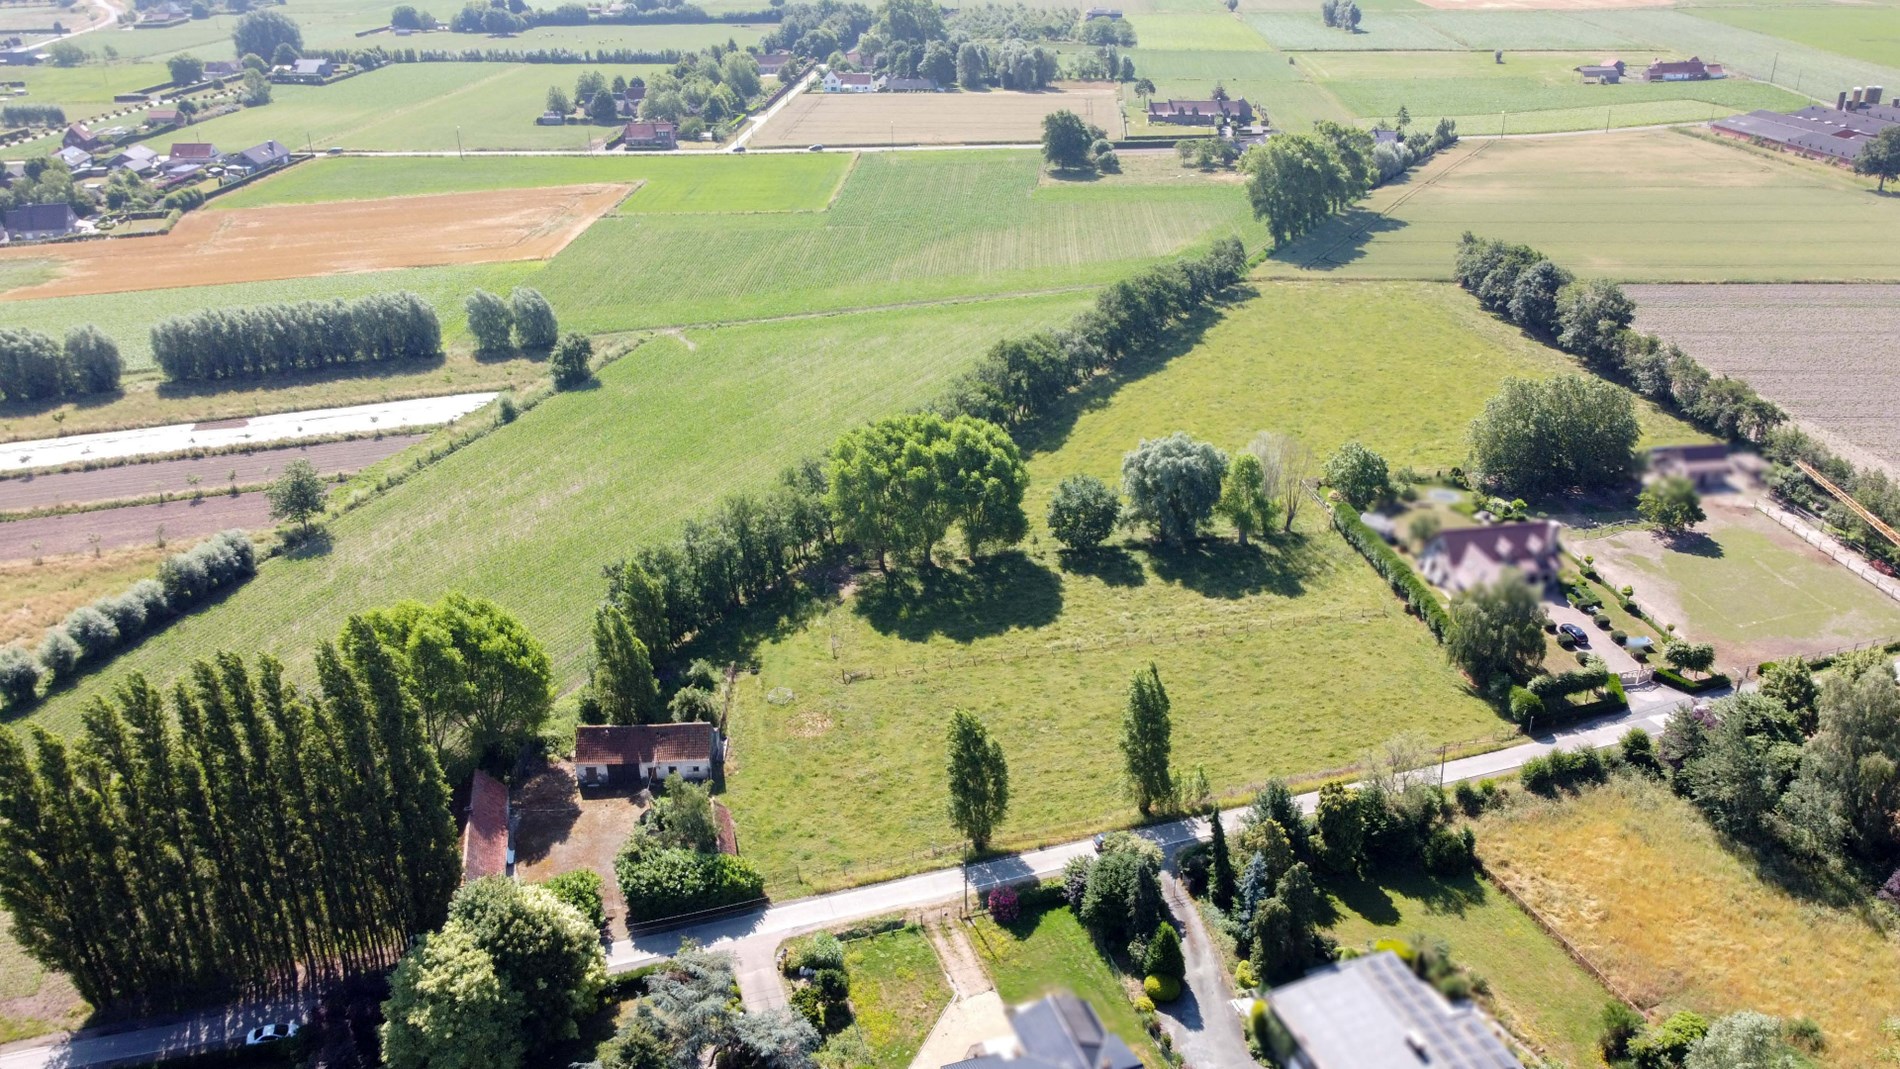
(131, 526)
(128, 481)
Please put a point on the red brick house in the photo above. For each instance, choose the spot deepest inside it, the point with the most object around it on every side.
(660, 135)
(645, 754)
(1683, 70)
(485, 849)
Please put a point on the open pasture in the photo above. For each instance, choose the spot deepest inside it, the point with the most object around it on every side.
(1196, 32)
(1788, 62)
(1866, 33)
(82, 91)
(1830, 355)
(1283, 91)
(996, 115)
(529, 514)
(1042, 646)
(1456, 31)
(1658, 206)
(1677, 918)
(300, 241)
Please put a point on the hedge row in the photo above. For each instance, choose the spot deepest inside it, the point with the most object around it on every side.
(1691, 686)
(273, 339)
(1414, 591)
(668, 882)
(1559, 769)
(92, 634)
(1571, 682)
(33, 115)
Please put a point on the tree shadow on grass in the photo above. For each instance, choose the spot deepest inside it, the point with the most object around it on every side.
(1221, 569)
(988, 597)
(736, 638)
(1695, 544)
(1339, 242)
(363, 370)
(1113, 565)
(1375, 898)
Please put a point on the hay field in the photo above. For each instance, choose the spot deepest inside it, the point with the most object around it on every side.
(960, 117)
(1636, 878)
(1830, 355)
(300, 241)
(1648, 206)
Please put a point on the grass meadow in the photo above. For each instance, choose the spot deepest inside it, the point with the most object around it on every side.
(1680, 919)
(1041, 645)
(1421, 29)
(1049, 950)
(1195, 32)
(528, 515)
(1538, 993)
(1866, 33)
(898, 991)
(1648, 206)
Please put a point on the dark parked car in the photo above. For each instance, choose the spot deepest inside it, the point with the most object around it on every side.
(1578, 633)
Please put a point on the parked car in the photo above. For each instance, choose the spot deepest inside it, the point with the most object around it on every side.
(1578, 633)
(738, 148)
(270, 1033)
(333, 150)
(816, 148)
(1100, 838)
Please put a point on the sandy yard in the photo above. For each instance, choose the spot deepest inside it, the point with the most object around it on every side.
(560, 831)
(835, 119)
(305, 240)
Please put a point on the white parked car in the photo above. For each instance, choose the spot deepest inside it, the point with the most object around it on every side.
(269, 1033)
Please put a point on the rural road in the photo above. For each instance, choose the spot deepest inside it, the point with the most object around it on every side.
(753, 937)
(753, 127)
(254, 430)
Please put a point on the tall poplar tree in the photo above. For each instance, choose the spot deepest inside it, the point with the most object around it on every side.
(979, 779)
(1146, 742)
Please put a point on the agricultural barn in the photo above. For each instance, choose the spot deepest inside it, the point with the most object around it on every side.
(1466, 557)
(649, 135)
(20, 57)
(485, 829)
(1683, 70)
(836, 82)
(1200, 112)
(1609, 72)
(1707, 466)
(644, 754)
(34, 222)
(1836, 134)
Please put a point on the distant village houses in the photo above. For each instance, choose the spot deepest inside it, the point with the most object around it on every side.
(1213, 112)
(37, 222)
(850, 82)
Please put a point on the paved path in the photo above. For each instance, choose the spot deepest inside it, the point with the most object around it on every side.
(1205, 1030)
(277, 427)
(1615, 658)
(758, 123)
(186, 1035)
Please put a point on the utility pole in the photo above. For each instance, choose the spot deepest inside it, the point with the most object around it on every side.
(1773, 67)
(459, 154)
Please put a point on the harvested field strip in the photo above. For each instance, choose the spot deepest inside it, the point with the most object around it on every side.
(934, 118)
(302, 241)
(173, 477)
(34, 597)
(131, 526)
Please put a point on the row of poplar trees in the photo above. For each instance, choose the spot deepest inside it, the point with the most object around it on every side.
(232, 837)
(277, 339)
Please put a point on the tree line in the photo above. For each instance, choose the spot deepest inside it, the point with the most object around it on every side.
(372, 58)
(91, 634)
(33, 115)
(238, 838)
(275, 339)
(35, 367)
(1298, 181)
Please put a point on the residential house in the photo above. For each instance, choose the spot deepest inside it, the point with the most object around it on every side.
(849, 82)
(11, 173)
(201, 153)
(163, 117)
(1683, 70)
(1387, 137)
(159, 16)
(1200, 112)
(1707, 466)
(638, 754)
(139, 159)
(305, 72)
(857, 58)
(1465, 557)
(909, 85)
(1057, 1031)
(658, 134)
(223, 68)
(1372, 1012)
(772, 62)
(36, 222)
(551, 118)
(627, 105)
(485, 830)
(79, 135)
(1102, 13)
(75, 159)
(260, 158)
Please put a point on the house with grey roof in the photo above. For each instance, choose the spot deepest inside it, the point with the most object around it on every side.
(139, 159)
(260, 158)
(1465, 557)
(75, 159)
(1057, 1031)
(1372, 1012)
(37, 222)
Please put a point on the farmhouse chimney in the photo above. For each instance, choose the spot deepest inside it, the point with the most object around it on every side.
(1874, 93)
(1840, 102)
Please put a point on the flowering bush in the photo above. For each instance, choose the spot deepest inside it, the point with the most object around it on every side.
(1004, 906)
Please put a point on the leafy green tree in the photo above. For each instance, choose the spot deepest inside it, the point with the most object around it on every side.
(1552, 435)
(557, 101)
(909, 20)
(580, 889)
(1880, 157)
(19, 677)
(1790, 682)
(1083, 512)
(260, 32)
(1172, 485)
(1065, 139)
(1667, 1045)
(689, 1004)
(543, 950)
(1295, 182)
(1164, 955)
(623, 679)
(405, 17)
(973, 71)
(297, 495)
(603, 109)
(489, 321)
(684, 813)
(1496, 630)
(66, 54)
(1340, 821)
(900, 483)
(1359, 474)
(449, 1008)
(979, 779)
(1146, 741)
(571, 363)
(1222, 885)
(254, 90)
(1846, 792)
(1122, 898)
(1743, 1040)
(1243, 498)
(482, 680)
(1690, 656)
(92, 360)
(1591, 319)
(533, 319)
(636, 1046)
(186, 69)
(1671, 503)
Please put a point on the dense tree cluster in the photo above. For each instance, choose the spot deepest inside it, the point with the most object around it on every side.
(1497, 630)
(45, 180)
(974, 46)
(1554, 435)
(1340, 14)
(33, 115)
(691, 1014)
(235, 343)
(263, 31)
(713, 86)
(242, 837)
(663, 873)
(35, 367)
(1117, 893)
(1298, 181)
(899, 485)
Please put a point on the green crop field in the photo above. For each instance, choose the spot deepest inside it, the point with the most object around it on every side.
(1872, 34)
(1472, 88)
(528, 515)
(1642, 206)
(704, 184)
(1444, 31)
(1811, 71)
(82, 91)
(1206, 33)
(1042, 648)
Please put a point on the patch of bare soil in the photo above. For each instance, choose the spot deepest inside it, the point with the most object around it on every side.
(133, 525)
(560, 830)
(304, 240)
(174, 476)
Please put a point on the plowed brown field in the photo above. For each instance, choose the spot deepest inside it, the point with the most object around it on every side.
(302, 240)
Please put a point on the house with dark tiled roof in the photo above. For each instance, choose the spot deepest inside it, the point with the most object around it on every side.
(1200, 112)
(1465, 557)
(1057, 1031)
(198, 152)
(260, 158)
(485, 830)
(772, 62)
(640, 754)
(37, 222)
(80, 136)
(1683, 70)
(223, 68)
(139, 159)
(1707, 466)
(659, 134)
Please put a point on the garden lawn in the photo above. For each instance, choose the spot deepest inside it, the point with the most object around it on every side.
(1049, 951)
(1657, 205)
(1042, 647)
(897, 993)
(1635, 878)
(1542, 996)
(529, 514)
(722, 184)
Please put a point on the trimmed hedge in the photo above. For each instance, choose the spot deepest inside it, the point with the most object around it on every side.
(1414, 591)
(1560, 769)
(1691, 686)
(662, 882)
(1579, 679)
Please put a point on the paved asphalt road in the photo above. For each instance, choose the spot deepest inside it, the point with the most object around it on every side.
(254, 430)
(752, 938)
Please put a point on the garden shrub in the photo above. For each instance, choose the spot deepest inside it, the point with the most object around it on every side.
(1004, 906)
(1560, 769)
(1620, 1025)
(1619, 636)
(19, 677)
(1161, 988)
(1469, 799)
(1406, 583)
(1665, 1046)
(1602, 620)
(580, 889)
(662, 882)
(1244, 977)
(1450, 853)
(833, 984)
(1566, 642)
(1524, 705)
